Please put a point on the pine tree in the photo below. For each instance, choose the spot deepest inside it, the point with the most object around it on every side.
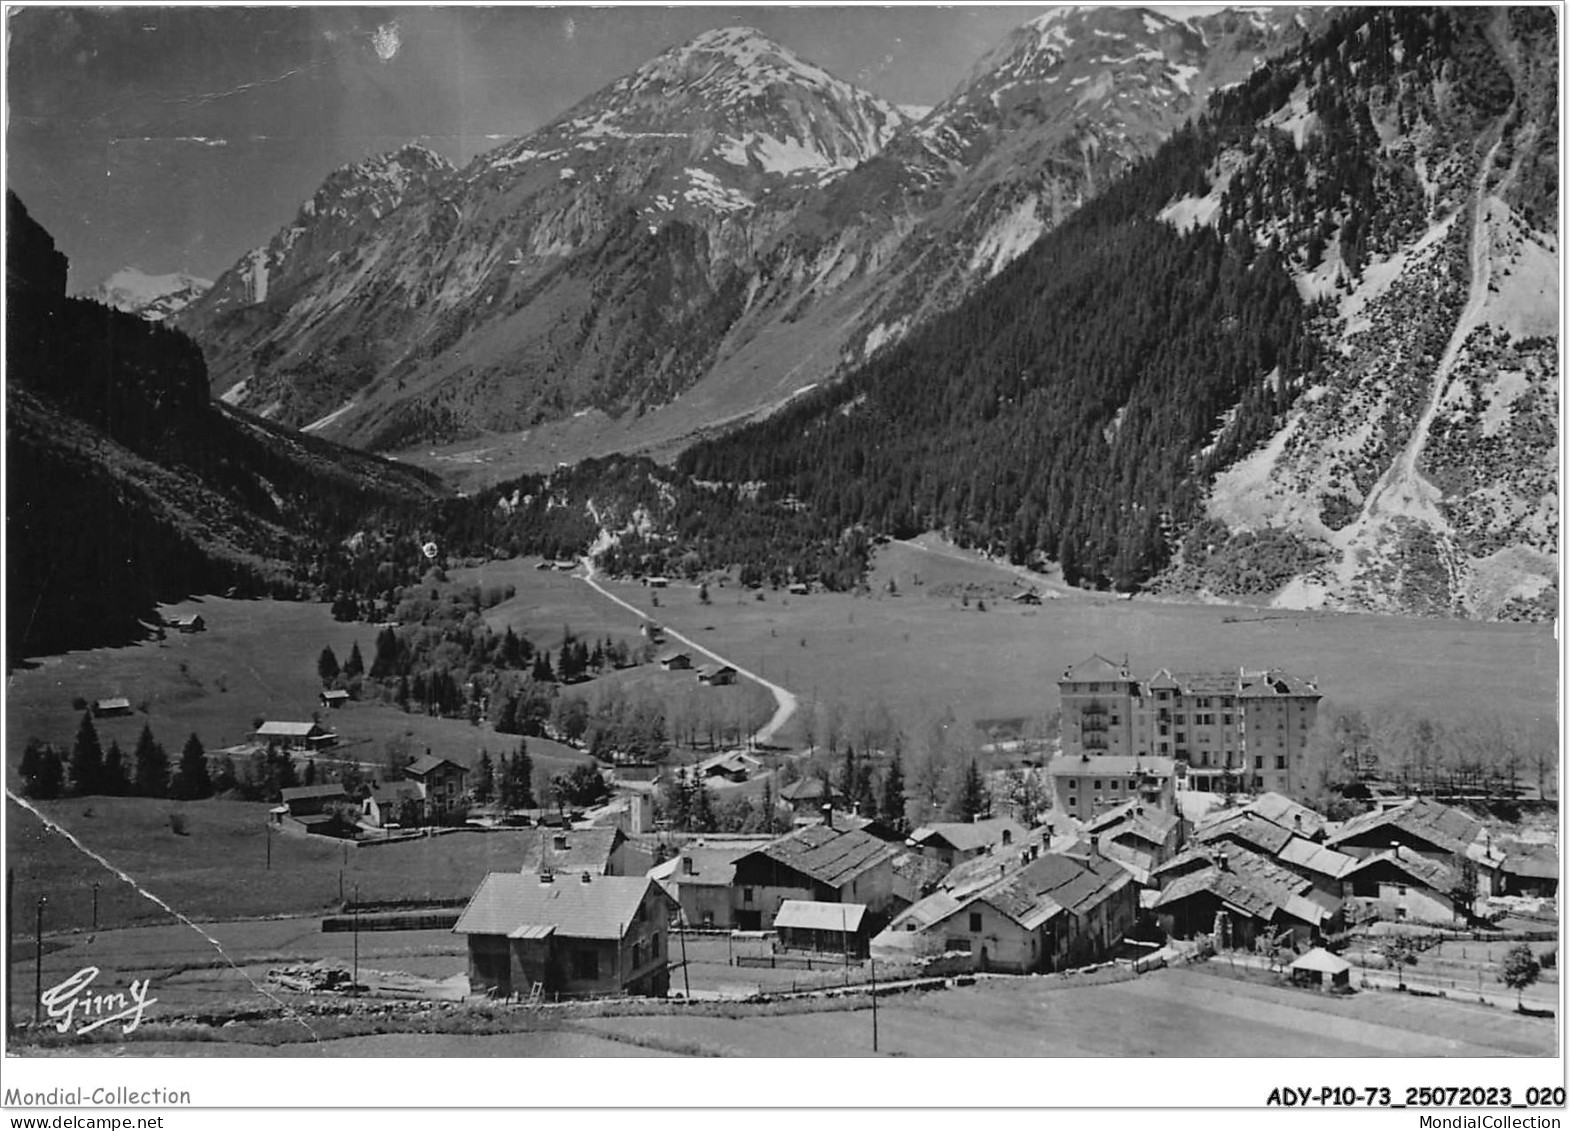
(354, 665)
(224, 778)
(893, 808)
(117, 782)
(766, 806)
(42, 774)
(970, 800)
(848, 775)
(523, 778)
(151, 766)
(385, 663)
(310, 772)
(87, 758)
(192, 783)
(484, 779)
(327, 665)
(703, 818)
(504, 781)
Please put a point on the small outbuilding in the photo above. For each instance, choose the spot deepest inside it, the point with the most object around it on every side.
(334, 698)
(832, 928)
(110, 708)
(1322, 969)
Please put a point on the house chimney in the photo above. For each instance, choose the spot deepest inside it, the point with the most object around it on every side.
(686, 866)
(545, 876)
(586, 878)
(560, 842)
(1002, 869)
(828, 815)
(1008, 837)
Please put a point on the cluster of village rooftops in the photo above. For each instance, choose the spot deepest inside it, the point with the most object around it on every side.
(1169, 819)
(587, 914)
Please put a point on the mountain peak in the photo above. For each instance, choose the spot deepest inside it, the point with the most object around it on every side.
(153, 297)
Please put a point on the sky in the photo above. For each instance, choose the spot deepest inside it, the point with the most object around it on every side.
(176, 139)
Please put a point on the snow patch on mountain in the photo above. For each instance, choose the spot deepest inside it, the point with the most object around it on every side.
(1009, 237)
(154, 297)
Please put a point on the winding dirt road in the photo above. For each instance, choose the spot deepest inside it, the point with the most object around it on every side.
(787, 702)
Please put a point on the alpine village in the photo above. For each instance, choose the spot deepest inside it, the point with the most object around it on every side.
(748, 568)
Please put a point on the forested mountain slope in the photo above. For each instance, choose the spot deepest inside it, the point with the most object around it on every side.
(593, 263)
(1315, 277)
(126, 485)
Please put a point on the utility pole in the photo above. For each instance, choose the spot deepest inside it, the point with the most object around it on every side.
(681, 931)
(874, 964)
(354, 982)
(38, 962)
(95, 905)
(268, 829)
(845, 943)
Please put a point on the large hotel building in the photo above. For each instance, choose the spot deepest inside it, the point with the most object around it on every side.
(1249, 726)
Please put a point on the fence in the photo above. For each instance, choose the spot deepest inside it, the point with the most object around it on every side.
(393, 921)
(793, 962)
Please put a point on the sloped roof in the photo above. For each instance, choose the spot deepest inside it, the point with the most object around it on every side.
(289, 730)
(830, 856)
(586, 849)
(425, 763)
(1288, 814)
(1541, 863)
(968, 836)
(308, 792)
(1052, 884)
(1097, 669)
(1206, 683)
(1316, 858)
(711, 866)
(1226, 886)
(1268, 684)
(335, 693)
(1267, 836)
(1134, 818)
(1236, 859)
(808, 789)
(807, 914)
(1109, 764)
(1029, 895)
(112, 704)
(508, 902)
(396, 791)
(1446, 828)
(1321, 960)
(1429, 873)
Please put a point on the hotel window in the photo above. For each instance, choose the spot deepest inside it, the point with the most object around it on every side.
(1281, 761)
(1259, 761)
(1096, 784)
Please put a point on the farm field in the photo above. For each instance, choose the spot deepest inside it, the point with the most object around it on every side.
(257, 659)
(1167, 1013)
(219, 869)
(921, 653)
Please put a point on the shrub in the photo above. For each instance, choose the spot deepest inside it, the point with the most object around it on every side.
(178, 824)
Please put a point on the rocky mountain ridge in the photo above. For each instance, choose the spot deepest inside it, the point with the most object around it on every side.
(663, 240)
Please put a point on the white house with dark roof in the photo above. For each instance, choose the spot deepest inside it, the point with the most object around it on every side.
(570, 934)
(954, 841)
(818, 863)
(1083, 786)
(442, 781)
